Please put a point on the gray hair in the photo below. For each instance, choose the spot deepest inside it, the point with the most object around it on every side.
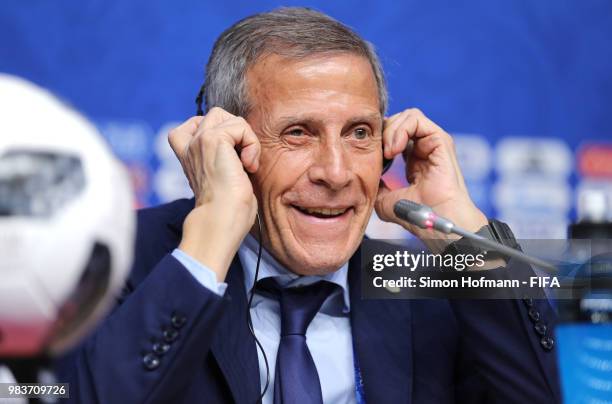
(292, 32)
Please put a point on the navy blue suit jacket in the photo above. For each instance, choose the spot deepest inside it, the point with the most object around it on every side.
(409, 351)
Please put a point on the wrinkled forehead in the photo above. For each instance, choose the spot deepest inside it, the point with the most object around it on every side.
(340, 83)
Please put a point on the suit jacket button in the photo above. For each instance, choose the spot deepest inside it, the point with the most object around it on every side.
(540, 328)
(170, 334)
(534, 315)
(178, 320)
(547, 343)
(150, 361)
(160, 348)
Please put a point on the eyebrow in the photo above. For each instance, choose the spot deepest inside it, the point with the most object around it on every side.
(286, 120)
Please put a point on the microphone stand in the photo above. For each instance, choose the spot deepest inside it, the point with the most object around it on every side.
(424, 217)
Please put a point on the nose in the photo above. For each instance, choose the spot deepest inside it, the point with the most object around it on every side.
(331, 167)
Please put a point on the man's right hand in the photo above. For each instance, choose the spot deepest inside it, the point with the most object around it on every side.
(225, 205)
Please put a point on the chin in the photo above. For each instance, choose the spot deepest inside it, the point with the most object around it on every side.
(318, 240)
(319, 259)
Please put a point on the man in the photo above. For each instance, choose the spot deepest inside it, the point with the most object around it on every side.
(296, 133)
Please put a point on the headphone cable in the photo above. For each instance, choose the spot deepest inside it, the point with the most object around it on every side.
(248, 313)
(200, 112)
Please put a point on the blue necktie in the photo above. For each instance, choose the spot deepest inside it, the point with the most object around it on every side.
(296, 378)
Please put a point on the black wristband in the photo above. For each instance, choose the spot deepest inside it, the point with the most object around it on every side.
(495, 230)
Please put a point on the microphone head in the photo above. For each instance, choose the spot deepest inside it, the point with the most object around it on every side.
(410, 205)
(422, 216)
(412, 212)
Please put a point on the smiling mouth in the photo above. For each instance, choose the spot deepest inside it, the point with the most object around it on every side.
(322, 213)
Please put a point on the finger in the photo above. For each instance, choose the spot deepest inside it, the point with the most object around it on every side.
(250, 157)
(180, 136)
(389, 133)
(239, 134)
(402, 133)
(427, 136)
(425, 125)
(383, 189)
(439, 150)
(406, 125)
(190, 125)
(215, 117)
(424, 148)
(384, 202)
(416, 125)
(388, 122)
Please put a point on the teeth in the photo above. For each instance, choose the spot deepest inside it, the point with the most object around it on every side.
(325, 211)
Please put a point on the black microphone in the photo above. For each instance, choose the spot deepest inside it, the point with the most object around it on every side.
(425, 218)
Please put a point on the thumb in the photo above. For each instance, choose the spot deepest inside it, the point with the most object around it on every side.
(383, 205)
(180, 137)
(386, 200)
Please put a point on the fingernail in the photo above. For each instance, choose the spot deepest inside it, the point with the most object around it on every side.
(388, 148)
(254, 163)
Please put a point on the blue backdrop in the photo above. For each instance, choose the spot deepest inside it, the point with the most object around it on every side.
(526, 86)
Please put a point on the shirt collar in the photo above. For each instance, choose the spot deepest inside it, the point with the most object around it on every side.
(269, 267)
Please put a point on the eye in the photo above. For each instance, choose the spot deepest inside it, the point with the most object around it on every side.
(295, 132)
(360, 133)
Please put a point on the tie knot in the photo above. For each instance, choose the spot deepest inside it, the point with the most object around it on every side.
(299, 305)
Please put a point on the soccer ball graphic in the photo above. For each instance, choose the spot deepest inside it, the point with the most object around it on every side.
(66, 223)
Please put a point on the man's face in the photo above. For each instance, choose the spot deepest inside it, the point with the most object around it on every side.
(320, 127)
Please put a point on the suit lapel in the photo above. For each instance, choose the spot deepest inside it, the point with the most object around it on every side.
(233, 346)
(382, 342)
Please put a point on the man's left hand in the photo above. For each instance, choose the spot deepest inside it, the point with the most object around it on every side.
(433, 175)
